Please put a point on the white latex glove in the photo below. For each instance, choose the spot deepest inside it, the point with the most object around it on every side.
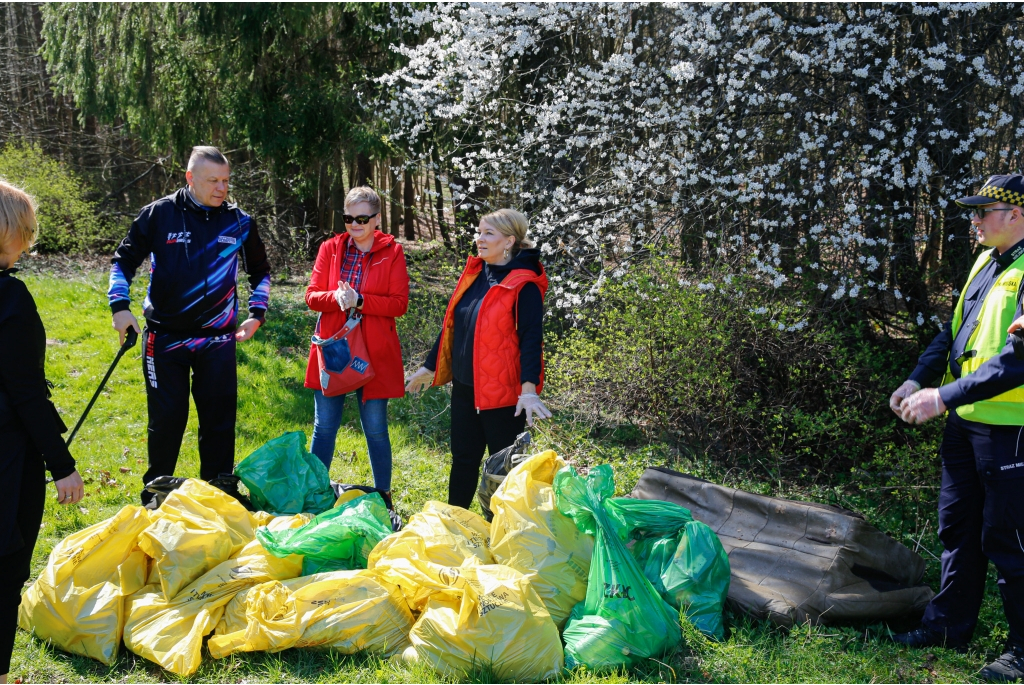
(922, 406)
(903, 392)
(533, 406)
(422, 378)
(345, 295)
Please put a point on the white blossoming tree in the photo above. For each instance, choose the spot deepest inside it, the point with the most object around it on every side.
(815, 147)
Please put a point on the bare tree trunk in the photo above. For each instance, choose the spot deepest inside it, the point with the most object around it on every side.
(395, 194)
(439, 201)
(409, 205)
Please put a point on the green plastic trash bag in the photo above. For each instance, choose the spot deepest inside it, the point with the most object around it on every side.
(623, 620)
(683, 559)
(340, 539)
(283, 478)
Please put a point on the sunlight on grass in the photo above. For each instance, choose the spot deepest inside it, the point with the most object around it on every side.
(111, 454)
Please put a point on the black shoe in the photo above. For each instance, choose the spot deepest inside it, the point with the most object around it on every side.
(920, 638)
(228, 483)
(1008, 668)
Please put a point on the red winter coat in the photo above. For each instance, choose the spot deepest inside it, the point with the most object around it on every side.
(496, 367)
(385, 291)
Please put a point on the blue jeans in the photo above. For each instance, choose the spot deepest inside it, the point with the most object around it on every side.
(373, 415)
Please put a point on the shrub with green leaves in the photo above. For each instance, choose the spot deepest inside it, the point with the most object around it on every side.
(737, 371)
(68, 220)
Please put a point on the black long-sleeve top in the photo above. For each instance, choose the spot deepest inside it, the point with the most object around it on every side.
(530, 321)
(24, 403)
(1003, 372)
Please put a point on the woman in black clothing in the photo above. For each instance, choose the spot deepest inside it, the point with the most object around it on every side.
(30, 427)
(490, 348)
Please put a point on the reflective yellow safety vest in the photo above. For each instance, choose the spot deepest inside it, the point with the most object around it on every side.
(987, 340)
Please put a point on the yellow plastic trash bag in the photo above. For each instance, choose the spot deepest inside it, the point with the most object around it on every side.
(439, 537)
(531, 535)
(494, 620)
(349, 611)
(78, 601)
(197, 527)
(170, 632)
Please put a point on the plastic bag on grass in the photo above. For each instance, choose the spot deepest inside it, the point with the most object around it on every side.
(623, 619)
(78, 601)
(495, 469)
(170, 632)
(531, 535)
(197, 527)
(489, 617)
(683, 559)
(349, 611)
(284, 478)
(338, 539)
(433, 541)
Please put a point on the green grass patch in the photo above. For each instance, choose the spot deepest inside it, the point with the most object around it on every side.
(111, 454)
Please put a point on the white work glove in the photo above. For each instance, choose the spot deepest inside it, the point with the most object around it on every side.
(903, 392)
(922, 406)
(419, 380)
(530, 402)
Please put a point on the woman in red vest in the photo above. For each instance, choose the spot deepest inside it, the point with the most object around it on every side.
(361, 269)
(490, 348)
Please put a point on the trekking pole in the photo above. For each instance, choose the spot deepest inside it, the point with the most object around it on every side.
(130, 338)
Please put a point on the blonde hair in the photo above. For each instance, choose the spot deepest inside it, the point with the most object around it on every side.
(17, 216)
(363, 194)
(510, 222)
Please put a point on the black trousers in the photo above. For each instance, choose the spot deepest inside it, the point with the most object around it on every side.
(472, 432)
(167, 361)
(16, 566)
(981, 519)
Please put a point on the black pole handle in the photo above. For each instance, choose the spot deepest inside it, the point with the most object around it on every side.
(130, 338)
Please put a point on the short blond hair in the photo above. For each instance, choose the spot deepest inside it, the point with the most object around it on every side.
(17, 216)
(363, 194)
(510, 222)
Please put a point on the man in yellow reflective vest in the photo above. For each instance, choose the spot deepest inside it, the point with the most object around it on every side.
(981, 367)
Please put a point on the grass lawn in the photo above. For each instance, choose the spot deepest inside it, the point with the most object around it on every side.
(111, 454)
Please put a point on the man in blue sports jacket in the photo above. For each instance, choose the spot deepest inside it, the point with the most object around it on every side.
(980, 371)
(193, 239)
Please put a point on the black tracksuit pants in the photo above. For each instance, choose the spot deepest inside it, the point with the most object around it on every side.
(167, 361)
(16, 567)
(472, 432)
(981, 519)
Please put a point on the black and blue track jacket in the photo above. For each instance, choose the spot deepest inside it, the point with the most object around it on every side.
(193, 276)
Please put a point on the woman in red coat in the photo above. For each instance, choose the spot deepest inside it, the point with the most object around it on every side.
(490, 348)
(361, 269)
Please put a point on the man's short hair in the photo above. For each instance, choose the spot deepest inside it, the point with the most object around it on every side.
(206, 153)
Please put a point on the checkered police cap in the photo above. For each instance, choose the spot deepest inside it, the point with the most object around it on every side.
(1008, 188)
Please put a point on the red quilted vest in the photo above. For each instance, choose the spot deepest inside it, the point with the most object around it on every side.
(496, 368)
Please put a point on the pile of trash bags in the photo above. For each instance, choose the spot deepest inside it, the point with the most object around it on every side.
(565, 574)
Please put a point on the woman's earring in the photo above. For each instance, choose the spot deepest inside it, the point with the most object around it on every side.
(506, 253)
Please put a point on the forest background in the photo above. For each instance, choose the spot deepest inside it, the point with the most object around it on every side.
(745, 211)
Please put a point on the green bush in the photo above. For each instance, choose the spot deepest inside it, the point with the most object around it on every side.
(724, 368)
(68, 221)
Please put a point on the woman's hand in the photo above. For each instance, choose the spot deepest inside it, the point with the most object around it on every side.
(531, 403)
(70, 489)
(345, 295)
(1016, 325)
(423, 378)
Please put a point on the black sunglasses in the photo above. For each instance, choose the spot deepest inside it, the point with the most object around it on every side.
(981, 212)
(362, 219)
